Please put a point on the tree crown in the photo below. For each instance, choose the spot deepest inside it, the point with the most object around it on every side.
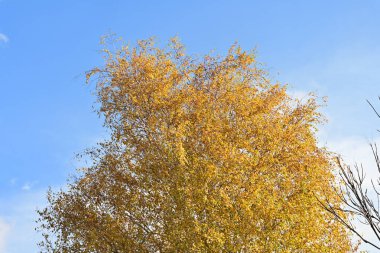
(205, 155)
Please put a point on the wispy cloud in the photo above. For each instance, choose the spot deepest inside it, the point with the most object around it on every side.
(13, 181)
(17, 221)
(28, 185)
(4, 38)
(356, 150)
(4, 231)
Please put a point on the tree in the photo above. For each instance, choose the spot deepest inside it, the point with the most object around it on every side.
(359, 200)
(205, 155)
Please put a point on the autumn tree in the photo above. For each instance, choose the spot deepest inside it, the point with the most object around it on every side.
(205, 155)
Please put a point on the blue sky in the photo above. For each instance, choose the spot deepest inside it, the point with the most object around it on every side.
(46, 116)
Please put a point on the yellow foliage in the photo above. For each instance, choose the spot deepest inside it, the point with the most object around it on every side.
(205, 155)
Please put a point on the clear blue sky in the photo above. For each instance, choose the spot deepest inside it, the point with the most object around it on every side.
(46, 116)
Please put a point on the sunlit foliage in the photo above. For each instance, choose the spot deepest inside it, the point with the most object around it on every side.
(205, 155)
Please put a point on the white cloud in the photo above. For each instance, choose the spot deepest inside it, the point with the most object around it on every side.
(28, 185)
(303, 95)
(19, 211)
(357, 150)
(4, 231)
(13, 181)
(3, 38)
(299, 94)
